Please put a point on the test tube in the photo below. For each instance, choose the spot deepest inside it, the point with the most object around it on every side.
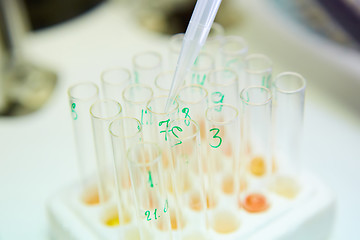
(184, 139)
(258, 69)
(163, 82)
(257, 136)
(102, 113)
(147, 65)
(193, 101)
(289, 93)
(160, 124)
(125, 132)
(136, 97)
(174, 49)
(81, 97)
(223, 87)
(222, 169)
(214, 42)
(203, 64)
(113, 82)
(152, 204)
(233, 51)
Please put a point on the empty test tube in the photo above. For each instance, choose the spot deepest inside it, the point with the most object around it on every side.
(223, 87)
(184, 139)
(214, 42)
(113, 82)
(152, 204)
(233, 51)
(289, 93)
(102, 113)
(125, 132)
(81, 97)
(193, 101)
(147, 65)
(163, 82)
(136, 97)
(256, 146)
(258, 68)
(199, 73)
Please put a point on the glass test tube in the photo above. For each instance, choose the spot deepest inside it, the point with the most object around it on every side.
(159, 126)
(258, 68)
(203, 64)
(184, 139)
(289, 94)
(147, 65)
(113, 82)
(102, 113)
(193, 101)
(256, 146)
(174, 49)
(233, 51)
(136, 96)
(163, 83)
(125, 132)
(81, 97)
(152, 205)
(223, 87)
(222, 169)
(214, 42)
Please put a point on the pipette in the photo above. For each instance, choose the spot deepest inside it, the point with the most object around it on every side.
(195, 37)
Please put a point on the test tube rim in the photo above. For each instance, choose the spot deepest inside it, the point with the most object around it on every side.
(192, 85)
(300, 89)
(170, 72)
(219, 70)
(105, 100)
(162, 113)
(268, 100)
(102, 75)
(261, 71)
(188, 137)
(204, 68)
(146, 67)
(137, 85)
(222, 122)
(83, 83)
(152, 162)
(125, 137)
(242, 51)
(173, 38)
(216, 25)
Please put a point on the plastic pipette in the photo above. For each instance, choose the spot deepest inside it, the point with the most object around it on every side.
(196, 33)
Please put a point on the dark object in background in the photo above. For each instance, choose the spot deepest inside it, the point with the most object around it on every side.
(45, 13)
(345, 15)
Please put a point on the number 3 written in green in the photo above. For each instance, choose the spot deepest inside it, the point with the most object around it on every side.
(216, 136)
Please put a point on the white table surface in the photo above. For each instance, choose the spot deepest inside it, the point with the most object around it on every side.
(37, 156)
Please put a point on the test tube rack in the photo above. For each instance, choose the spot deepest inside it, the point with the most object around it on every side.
(309, 216)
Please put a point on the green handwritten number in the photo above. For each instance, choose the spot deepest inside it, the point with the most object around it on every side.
(166, 206)
(73, 106)
(217, 97)
(186, 111)
(167, 125)
(196, 79)
(147, 213)
(180, 130)
(155, 214)
(216, 136)
(150, 179)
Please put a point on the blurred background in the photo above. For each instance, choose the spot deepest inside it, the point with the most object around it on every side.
(47, 45)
